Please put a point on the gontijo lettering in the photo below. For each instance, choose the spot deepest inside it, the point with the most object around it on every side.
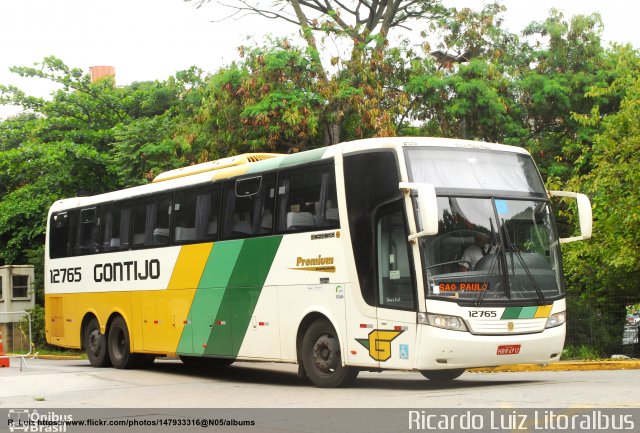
(127, 271)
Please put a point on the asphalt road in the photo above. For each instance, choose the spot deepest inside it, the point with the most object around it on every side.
(169, 383)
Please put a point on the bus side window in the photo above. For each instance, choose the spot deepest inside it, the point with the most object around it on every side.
(86, 241)
(248, 206)
(151, 221)
(196, 215)
(115, 226)
(60, 235)
(307, 200)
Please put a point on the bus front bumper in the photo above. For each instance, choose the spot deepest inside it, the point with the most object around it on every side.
(444, 349)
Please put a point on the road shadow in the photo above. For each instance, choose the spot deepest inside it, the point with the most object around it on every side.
(249, 373)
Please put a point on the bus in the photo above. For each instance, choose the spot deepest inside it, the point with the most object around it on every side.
(426, 254)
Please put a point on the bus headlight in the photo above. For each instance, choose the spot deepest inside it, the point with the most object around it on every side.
(442, 321)
(556, 319)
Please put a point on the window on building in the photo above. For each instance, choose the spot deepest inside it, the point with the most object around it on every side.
(307, 199)
(20, 286)
(1, 290)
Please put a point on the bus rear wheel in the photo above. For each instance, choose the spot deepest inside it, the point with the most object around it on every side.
(120, 345)
(442, 376)
(95, 343)
(322, 358)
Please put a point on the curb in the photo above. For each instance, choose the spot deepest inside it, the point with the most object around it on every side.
(56, 357)
(556, 366)
(563, 366)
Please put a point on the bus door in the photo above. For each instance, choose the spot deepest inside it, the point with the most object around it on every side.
(396, 293)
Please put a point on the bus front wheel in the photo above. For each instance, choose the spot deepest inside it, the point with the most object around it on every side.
(442, 376)
(120, 345)
(95, 344)
(322, 359)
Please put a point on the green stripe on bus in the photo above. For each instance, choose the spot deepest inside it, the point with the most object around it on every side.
(265, 165)
(241, 295)
(208, 297)
(511, 313)
(527, 312)
(302, 157)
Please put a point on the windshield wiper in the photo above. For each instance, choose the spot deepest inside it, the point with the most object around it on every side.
(514, 249)
(498, 257)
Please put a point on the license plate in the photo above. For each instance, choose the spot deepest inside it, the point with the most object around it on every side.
(512, 349)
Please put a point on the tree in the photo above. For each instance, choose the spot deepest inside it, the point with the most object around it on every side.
(605, 271)
(560, 63)
(360, 25)
(89, 138)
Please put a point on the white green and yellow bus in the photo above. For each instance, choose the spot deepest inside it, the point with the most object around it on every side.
(357, 256)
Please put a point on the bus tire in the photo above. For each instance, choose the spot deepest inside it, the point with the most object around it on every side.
(442, 376)
(120, 345)
(95, 343)
(322, 358)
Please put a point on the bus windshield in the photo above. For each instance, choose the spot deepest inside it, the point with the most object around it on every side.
(454, 169)
(496, 239)
(493, 249)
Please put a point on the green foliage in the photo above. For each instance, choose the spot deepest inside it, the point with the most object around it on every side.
(555, 89)
(581, 352)
(38, 335)
(268, 102)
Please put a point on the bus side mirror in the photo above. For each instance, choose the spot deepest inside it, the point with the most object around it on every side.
(427, 207)
(584, 215)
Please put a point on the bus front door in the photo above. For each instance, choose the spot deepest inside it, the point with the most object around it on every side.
(396, 293)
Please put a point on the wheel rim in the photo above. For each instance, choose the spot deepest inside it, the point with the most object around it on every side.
(326, 354)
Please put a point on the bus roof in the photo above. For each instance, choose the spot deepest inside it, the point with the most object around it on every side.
(229, 167)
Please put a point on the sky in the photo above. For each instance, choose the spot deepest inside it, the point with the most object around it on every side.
(153, 39)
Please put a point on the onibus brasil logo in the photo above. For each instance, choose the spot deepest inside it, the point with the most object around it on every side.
(25, 420)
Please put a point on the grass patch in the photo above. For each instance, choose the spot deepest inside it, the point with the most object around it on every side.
(60, 352)
(582, 353)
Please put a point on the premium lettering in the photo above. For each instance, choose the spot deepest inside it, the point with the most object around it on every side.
(319, 261)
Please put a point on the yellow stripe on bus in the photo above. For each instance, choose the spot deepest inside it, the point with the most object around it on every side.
(543, 312)
(189, 266)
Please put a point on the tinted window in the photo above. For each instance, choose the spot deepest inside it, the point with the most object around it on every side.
(59, 235)
(86, 241)
(371, 181)
(196, 215)
(115, 226)
(395, 279)
(248, 206)
(151, 218)
(307, 199)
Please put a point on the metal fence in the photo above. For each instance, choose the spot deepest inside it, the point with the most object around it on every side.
(599, 325)
(16, 327)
